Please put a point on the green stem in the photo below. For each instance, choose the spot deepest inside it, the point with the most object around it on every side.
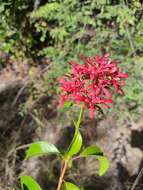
(80, 117)
(64, 167)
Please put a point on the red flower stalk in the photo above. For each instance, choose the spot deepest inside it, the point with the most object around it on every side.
(91, 82)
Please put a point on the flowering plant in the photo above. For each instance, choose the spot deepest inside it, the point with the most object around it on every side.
(88, 85)
(91, 82)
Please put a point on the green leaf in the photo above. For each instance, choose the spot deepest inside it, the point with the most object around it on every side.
(75, 145)
(91, 150)
(97, 152)
(69, 186)
(68, 104)
(103, 164)
(41, 148)
(29, 182)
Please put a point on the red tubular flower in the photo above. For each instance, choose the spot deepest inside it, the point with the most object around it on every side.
(91, 82)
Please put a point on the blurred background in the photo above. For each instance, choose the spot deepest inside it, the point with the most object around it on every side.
(37, 39)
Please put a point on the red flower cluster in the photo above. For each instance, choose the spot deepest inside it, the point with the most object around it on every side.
(91, 82)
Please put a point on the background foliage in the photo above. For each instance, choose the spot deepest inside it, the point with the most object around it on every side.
(61, 30)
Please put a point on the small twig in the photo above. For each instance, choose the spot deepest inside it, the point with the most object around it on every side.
(37, 120)
(19, 93)
(23, 146)
(137, 179)
(128, 32)
(130, 40)
(76, 157)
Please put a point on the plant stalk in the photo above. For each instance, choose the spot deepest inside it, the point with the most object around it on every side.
(63, 170)
(64, 167)
(80, 117)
